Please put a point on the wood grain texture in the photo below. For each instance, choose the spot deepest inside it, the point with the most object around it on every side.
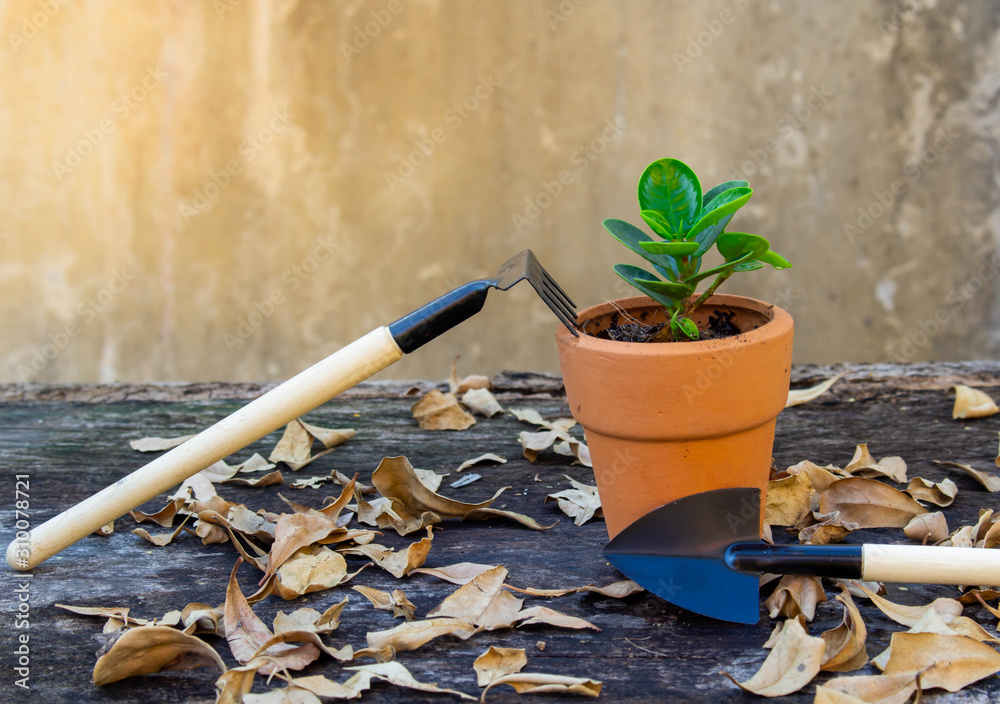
(647, 650)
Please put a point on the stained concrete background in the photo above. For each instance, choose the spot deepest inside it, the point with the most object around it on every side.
(231, 189)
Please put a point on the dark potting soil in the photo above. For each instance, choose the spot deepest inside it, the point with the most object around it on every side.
(720, 325)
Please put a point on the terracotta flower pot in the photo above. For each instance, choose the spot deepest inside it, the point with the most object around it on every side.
(667, 420)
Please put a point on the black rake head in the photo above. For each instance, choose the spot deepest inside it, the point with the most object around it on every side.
(525, 265)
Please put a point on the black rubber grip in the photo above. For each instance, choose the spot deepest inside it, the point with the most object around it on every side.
(842, 561)
(440, 315)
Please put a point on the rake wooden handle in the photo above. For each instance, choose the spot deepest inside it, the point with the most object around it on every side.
(919, 564)
(300, 394)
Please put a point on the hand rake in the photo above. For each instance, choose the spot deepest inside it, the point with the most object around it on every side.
(297, 396)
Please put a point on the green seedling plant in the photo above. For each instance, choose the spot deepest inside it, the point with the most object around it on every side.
(688, 224)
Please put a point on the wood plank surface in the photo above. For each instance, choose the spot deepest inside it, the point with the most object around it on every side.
(647, 650)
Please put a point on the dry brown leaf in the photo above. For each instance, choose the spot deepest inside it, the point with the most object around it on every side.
(927, 528)
(820, 477)
(559, 440)
(396, 674)
(972, 403)
(538, 683)
(488, 457)
(164, 517)
(306, 619)
(845, 644)
(210, 533)
(473, 381)
(412, 501)
(794, 595)
(615, 590)
(941, 494)
(398, 564)
(117, 613)
(330, 437)
(482, 602)
(864, 465)
(789, 500)
(161, 539)
(481, 402)
(148, 649)
(498, 662)
(868, 689)
(245, 633)
(234, 685)
(413, 634)
(581, 503)
(869, 503)
(543, 614)
(974, 596)
(990, 482)
(799, 396)
(438, 411)
(311, 569)
(948, 662)
(825, 528)
(394, 601)
(909, 615)
(295, 446)
(530, 415)
(294, 531)
(157, 444)
(269, 479)
(792, 663)
(105, 530)
(459, 573)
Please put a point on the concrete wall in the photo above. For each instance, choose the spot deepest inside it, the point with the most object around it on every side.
(229, 190)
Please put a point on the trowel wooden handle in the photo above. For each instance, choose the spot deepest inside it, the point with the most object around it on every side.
(300, 394)
(921, 564)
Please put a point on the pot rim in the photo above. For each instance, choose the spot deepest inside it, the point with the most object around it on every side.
(777, 325)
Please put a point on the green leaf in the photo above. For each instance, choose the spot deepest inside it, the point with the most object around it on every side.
(707, 198)
(632, 237)
(748, 266)
(669, 294)
(688, 327)
(671, 187)
(726, 203)
(673, 249)
(706, 238)
(775, 260)
(735, 245)
(658, 222)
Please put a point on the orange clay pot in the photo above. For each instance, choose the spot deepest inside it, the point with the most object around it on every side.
(672, 419)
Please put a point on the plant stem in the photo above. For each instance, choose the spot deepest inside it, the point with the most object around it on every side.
(690, 308)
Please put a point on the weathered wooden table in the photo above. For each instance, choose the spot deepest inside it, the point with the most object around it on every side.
(72, 441)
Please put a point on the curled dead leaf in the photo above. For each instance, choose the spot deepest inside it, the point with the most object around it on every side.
(927, 528)
(148, 649)
(942, 493)
(990, 482)
(413, 634)
(845, 644)
(794, 595)
(945, 661)
(157, 444)
(793, 662)
(438, 411)
(538, 683)
(789, 500)
(825, 528)
(459, 573)
(874, 689)
(972, 403)
(498, 662)
(909, 615)
(869, 503)
(800, 396)
(864, 465)
(488, 457)
(581, 503)
(481, 402)
(394, 601)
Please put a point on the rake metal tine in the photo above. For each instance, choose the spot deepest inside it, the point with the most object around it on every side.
(566, 318)
(566, 299)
